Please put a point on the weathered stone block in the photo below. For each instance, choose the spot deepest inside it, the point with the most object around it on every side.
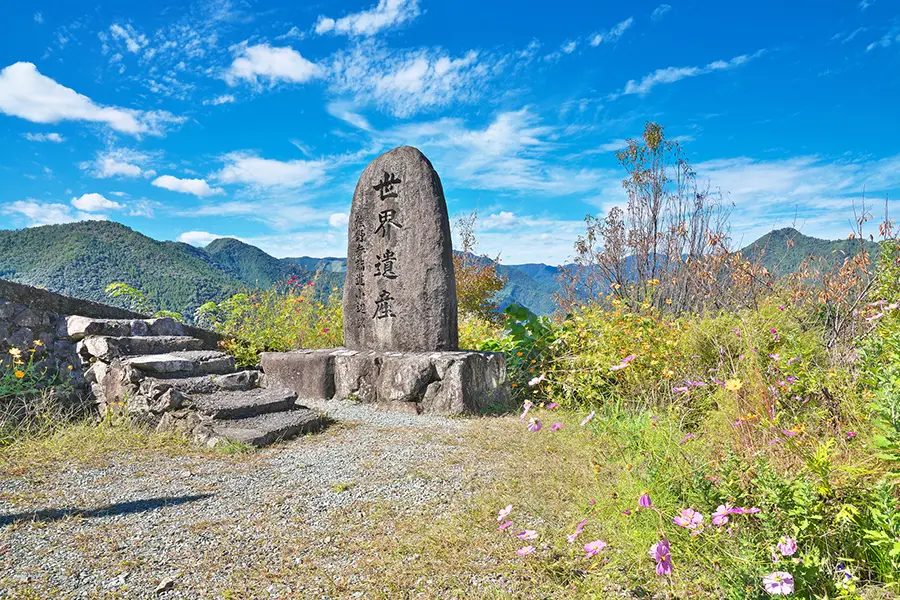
(7, 309)
(28, 318)
(310, 373)
(415, 382)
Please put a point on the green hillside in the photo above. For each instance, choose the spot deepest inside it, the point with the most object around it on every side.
(783, 250)
(81, 259)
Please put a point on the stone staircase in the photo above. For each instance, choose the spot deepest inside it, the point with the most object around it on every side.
(169, 375)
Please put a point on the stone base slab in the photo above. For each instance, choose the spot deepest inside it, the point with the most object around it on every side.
(422, 382)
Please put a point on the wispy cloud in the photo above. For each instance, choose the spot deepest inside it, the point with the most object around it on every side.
(845, 37)
(200, 238)
(407, 82)
(660, 12)
(612, 35)
(387, 13)
(889, 38)
(119, 162)
(512, 154)
(673, 74)
(44, 137)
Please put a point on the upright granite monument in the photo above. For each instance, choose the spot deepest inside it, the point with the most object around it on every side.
(400, 293)
(400, 313)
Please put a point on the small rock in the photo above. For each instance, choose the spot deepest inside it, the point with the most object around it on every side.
(165, 585)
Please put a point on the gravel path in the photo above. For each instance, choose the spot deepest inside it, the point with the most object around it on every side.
(203, 521)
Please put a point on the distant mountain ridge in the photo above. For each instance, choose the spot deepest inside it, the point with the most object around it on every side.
(81, 259)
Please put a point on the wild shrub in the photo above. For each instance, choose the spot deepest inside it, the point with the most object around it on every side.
(293, 314)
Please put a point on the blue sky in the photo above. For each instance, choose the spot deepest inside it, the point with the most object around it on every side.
(253, 119)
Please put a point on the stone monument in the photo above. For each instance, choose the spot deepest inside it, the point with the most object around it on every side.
(400, 293)
(400, 315)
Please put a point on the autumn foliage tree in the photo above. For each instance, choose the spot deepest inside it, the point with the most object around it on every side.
(477, 279)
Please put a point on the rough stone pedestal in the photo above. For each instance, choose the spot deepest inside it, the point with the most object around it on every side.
(417, 382)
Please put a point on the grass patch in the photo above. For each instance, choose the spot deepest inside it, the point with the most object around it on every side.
(87, 444)
(342, 486)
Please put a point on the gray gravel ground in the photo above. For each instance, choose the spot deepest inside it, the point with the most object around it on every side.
(201, 521)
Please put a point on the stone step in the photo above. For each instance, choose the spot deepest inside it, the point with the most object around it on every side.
(79, 327)
(108, 348)
(188, 363)
(269, 428)
(227, 405)
(201, 384)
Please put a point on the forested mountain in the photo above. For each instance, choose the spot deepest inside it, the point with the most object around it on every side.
(81, 259)
(783, 250)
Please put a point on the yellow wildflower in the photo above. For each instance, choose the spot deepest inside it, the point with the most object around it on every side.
(15, 352)
(19, 374)
(38, 343)
(733, 385)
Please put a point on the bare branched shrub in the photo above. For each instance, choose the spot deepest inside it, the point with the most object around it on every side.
(667, 247)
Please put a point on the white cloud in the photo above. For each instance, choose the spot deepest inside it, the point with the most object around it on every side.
(864, 4)
(848, 37)
(673, 74)
(369, 22)
(659, 12)
(502, 220)
(27, 94)
(133, 40)
(245, 168)
(612, 35)
(38, 18)
(197, 187)
(344, 111)
(218, 100)
(569, 47)
(513, 153)
(294, 33)
(94, 203)
(199, 238)
(270, 64)
(891, 37)
(119, 162)
(407, 82)
(45, 137)
(40, 213)
(613, 145)
(339, 220)
(142, 208)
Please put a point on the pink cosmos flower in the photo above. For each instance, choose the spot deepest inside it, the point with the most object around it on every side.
(588, 418)
(644, 501)
(689, 436)
(720, 517)
(536, 380)
(535, 425)
(525, 551)
(737, 510)
(528, 534)
(504, 525)
(775, 357)
(779, 583)
(624, 363)
(552, 405)
(787, 546)
(689, 519)
(527, 407)
(581, 525)
(504, 512)
(660, 552)
(591, 549)
(850, 434)
(626, 512)
(556, 427)
(681, 389)
(573, 536)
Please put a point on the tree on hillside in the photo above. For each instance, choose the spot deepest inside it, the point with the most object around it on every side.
(477, 280)
(651, 250)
